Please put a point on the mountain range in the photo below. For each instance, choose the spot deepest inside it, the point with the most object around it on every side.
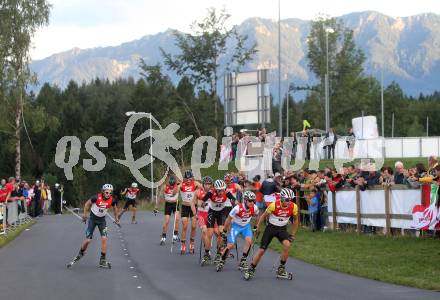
(406, 50)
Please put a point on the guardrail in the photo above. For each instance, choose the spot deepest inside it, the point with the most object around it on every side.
(380, 206)
(12, 215)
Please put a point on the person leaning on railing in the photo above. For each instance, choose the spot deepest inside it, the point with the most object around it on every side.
(386, 177)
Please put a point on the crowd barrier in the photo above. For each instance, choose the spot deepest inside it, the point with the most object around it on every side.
(381, 206)
(15, 217)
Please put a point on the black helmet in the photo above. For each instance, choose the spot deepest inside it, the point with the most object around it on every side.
(207, 179)
(188, 174)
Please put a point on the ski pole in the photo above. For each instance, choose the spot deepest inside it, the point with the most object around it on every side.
(114, 221)
(73, 213)
(155, 210)
(236, 249)
(174, 225)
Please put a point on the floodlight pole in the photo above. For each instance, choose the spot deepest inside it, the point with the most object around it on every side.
(381, 102)
(327, 83)
(130, 113)
(280, 126)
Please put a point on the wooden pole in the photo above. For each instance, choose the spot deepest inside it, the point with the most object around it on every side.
(358, 209)
(334, 210)
(387, 210)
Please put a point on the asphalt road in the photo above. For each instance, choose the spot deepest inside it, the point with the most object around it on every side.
(34, 267)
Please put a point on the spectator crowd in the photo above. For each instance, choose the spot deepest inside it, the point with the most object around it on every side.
(35, 199)
(311, 187)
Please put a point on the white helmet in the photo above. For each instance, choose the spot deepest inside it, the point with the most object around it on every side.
(249, 196)
(134, 185)
(287, 194)
(220, 184)
(107, 186)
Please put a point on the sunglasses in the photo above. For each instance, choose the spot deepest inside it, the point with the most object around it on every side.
(107, 193)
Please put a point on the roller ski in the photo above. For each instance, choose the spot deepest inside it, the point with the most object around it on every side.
(243, 265)
(220, 265)
(191, 247)
(103, 263)
(217, 258)
(282, 274)
(176, 238)
(133, 221)
(206, 260)
(249, 273)
(182, 248)
(75, 260)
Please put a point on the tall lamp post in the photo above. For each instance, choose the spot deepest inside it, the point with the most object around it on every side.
(280, 126)
(130, 113)
(327, 91)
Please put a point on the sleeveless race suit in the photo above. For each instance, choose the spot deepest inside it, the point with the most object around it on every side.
(187, 192)
(98, 211)
(279, 216)
(170, 199)
(241, 218)
(130, 197)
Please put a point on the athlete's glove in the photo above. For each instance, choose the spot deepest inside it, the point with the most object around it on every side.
(84, 219)
(291, 238)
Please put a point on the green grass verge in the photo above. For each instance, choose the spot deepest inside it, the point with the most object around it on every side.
(6, 239)
(400, 260)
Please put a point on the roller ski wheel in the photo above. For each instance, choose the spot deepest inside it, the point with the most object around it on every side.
(176, 239)
(217, 258)
(282, 274)
(243, 265)
(248, 274)
(206, 259)
(74, 261)
(182, 249)
(104, 264)
(287, 276)
(220, 266)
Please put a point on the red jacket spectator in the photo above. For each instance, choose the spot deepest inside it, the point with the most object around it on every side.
(5, 193)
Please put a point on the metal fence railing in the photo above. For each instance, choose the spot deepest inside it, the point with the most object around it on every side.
(12, 215)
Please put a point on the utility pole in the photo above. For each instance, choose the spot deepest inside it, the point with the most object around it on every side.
(381, 102)
(280, 126)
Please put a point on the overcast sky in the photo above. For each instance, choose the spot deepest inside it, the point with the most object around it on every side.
(94, 23)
